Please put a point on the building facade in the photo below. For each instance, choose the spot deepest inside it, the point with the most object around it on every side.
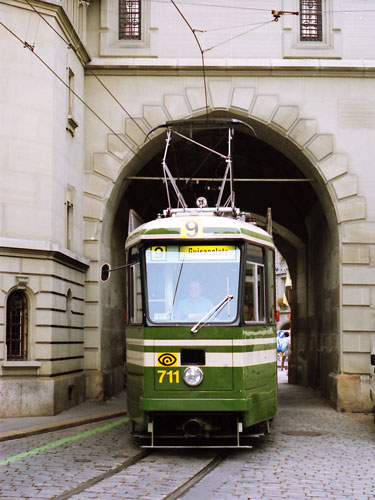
(81, 85)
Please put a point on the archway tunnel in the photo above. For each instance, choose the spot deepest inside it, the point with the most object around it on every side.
(274, 174)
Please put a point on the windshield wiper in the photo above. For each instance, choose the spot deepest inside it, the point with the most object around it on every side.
(207, 316)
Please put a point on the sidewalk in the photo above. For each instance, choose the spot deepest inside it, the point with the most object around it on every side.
(89, 411)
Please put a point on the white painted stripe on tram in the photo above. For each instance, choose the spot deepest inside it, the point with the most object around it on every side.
(257, 341)
(180, 343)
(213, 359)
(253, 358)
(201, 342)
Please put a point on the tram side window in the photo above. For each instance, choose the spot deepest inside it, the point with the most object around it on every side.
(135, 294)
(271, 285)
(254, 285)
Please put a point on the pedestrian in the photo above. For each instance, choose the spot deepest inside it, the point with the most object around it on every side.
(280, 336)
(284, 349)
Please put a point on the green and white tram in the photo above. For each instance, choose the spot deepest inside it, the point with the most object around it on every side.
(201, 332)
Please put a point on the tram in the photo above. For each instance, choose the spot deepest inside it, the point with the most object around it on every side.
(201, 332)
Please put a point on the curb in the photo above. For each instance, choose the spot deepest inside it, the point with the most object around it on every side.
(63, 424)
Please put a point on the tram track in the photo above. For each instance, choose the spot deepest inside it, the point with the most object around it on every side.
(137, 459)
(95, 480)
(187, 485)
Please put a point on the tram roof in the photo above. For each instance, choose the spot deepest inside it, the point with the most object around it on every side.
(209, 227)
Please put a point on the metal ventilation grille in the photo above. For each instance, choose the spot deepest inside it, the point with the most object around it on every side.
(311, 21)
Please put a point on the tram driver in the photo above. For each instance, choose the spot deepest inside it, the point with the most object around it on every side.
(195, 306)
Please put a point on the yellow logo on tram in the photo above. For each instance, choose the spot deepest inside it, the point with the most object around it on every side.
(167, 359)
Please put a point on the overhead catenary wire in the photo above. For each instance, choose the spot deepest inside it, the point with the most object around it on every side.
(229, 27)
(238, 35)
(202, 53)
(275, 13)
(32, 49)
(254, 9)
(75, 50)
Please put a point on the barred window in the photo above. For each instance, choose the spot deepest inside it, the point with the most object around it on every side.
(16, 328)
(130, 20)
(311, 21)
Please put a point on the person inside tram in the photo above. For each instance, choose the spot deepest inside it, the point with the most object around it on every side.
(195, 306)
(249, 314)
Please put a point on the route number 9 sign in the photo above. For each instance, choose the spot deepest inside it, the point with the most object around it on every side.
(191, 228)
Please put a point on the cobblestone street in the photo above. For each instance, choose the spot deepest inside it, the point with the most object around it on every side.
(312, 452)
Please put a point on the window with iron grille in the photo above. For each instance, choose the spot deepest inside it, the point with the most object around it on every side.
(16, 328)
(130, 20)
(311, 21)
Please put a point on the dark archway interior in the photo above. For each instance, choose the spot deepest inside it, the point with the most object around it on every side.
(304, 229)
(290, 202)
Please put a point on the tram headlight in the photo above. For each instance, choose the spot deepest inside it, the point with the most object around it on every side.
(193, 376)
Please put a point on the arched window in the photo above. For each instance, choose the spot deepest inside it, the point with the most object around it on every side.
(17, 326)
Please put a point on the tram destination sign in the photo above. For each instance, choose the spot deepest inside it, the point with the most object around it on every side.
(207, 252)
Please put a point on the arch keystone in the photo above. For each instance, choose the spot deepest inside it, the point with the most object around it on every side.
(303, 131)
(242, 98)
(264, 106)
(321, 146)
(176, 106)
(154, 115)
(285, 116)
(220, 93)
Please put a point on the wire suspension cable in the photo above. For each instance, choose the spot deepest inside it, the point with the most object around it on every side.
(276, 15)
(31, 48)
(230, 27)
(75, 50)
(239, 35)
(202, 54)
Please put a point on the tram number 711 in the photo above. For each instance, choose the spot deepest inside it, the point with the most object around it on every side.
(169, 375)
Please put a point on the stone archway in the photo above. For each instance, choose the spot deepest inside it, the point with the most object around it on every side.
(299, 139)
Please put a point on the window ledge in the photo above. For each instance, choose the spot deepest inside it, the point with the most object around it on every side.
(20, 368)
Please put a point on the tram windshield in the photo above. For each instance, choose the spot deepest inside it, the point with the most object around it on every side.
(185, 282)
